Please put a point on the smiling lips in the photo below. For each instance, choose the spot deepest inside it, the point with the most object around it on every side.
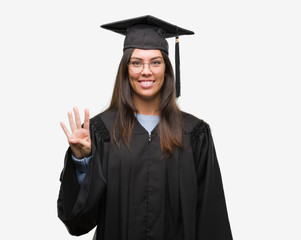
(146, 83)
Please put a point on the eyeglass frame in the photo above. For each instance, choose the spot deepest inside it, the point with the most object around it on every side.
(149, 65)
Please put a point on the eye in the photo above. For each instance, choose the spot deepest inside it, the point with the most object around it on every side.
(156, 63)
(135, 63)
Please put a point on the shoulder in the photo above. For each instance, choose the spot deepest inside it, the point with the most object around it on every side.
(106, 117)
(193, 125)
(102, 123)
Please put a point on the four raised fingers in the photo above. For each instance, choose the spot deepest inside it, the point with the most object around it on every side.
(77, 124)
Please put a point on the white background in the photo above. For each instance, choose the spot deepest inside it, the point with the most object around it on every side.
(240, 73)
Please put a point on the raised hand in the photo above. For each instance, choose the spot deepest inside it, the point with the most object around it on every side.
(79, 138)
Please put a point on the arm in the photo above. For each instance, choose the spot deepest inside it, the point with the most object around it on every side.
(79, 207)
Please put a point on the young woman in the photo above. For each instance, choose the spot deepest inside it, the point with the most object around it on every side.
(143, 169)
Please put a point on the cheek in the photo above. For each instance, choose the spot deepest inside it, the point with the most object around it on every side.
(131, 79)
(161, 80)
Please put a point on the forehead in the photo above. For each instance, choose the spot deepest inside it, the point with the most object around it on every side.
(146, 53)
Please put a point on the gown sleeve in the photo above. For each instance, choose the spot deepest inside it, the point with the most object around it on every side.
(79, 206)
(212, 222)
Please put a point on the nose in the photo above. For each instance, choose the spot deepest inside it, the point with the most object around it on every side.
(146, 69)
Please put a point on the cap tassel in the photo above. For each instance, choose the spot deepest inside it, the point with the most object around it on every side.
(177, 58)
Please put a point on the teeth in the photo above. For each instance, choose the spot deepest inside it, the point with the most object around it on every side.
(146, 83)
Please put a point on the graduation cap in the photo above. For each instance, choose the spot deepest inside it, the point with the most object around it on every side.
(148, 32)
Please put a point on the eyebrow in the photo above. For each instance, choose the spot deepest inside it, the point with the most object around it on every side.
(142, 59)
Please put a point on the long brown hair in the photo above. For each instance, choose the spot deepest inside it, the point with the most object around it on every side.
(170, 125)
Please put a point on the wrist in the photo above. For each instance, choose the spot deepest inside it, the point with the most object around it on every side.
(81, 156)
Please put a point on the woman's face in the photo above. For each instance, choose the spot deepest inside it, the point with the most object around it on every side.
(147, 83)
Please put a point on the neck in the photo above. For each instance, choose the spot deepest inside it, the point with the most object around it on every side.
(147, 106)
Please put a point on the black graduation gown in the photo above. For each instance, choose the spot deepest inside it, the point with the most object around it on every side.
(138, 194)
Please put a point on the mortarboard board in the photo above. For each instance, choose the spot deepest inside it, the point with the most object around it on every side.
(148, 32)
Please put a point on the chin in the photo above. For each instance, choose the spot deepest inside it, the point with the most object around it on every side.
(147, 96)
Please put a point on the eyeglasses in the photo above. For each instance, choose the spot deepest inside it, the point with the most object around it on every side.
(156, 66)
